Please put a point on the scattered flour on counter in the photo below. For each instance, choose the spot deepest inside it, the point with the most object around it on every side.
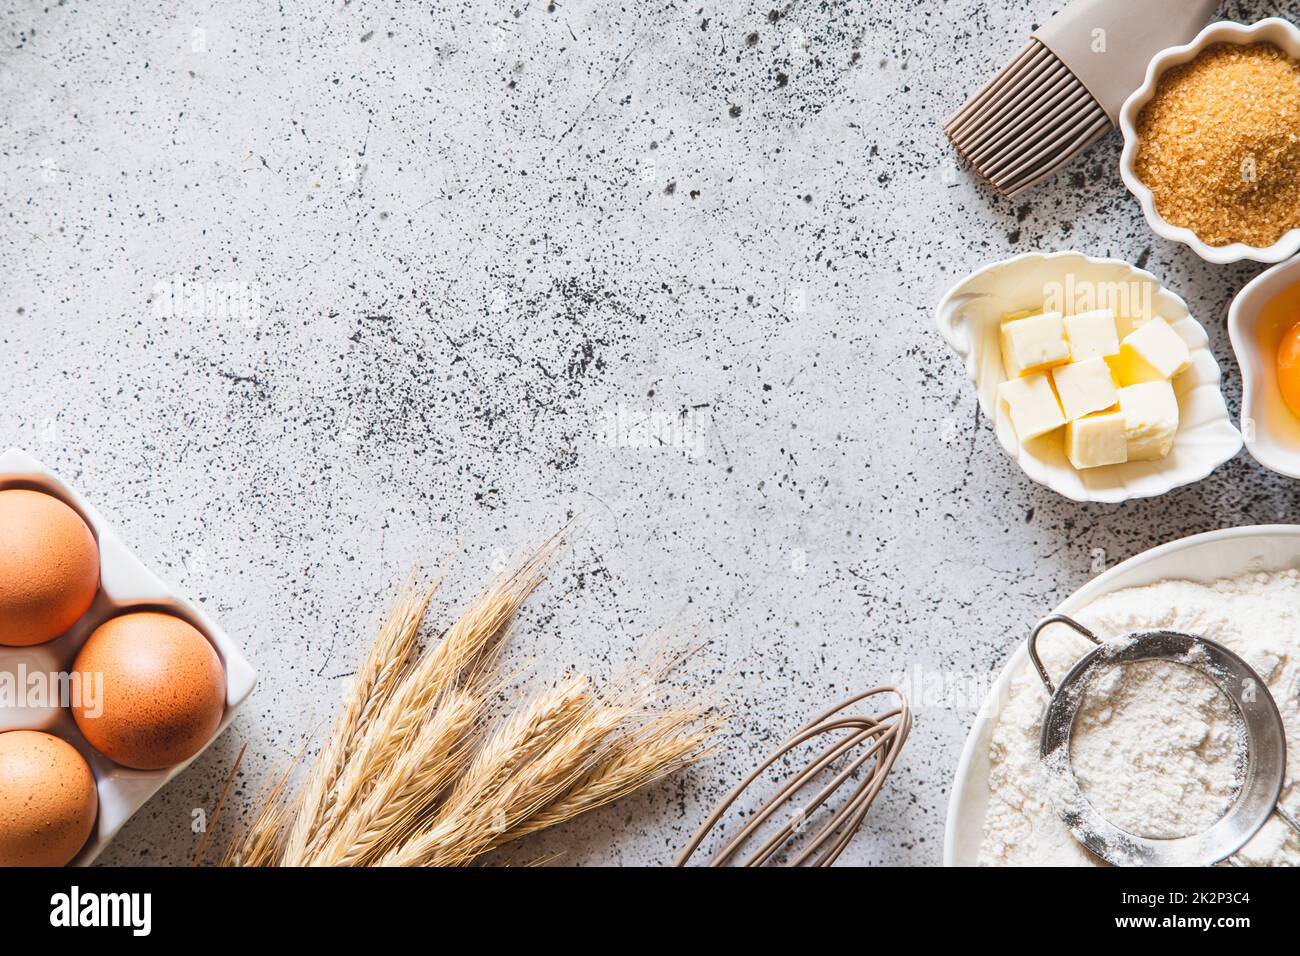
(1157, 748)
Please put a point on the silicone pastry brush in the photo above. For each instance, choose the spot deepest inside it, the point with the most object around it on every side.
(1064, 90)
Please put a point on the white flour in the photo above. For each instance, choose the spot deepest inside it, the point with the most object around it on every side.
(1155, 746)
(1164, 764)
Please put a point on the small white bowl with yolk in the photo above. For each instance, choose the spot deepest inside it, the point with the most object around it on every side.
(1260, 316)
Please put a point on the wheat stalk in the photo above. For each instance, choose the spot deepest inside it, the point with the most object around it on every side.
(465, 651)
(502, 783)
(415, 774)
(416, 777)
(667, 744)
(520, 738)
(263, 842)
(317, 809)
(221, 802)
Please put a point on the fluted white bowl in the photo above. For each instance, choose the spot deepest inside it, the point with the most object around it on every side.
(969, 317)
(1273, 30)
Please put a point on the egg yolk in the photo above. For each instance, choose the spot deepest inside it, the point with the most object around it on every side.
(1288, 368)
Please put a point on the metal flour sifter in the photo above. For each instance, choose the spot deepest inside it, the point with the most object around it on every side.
(1265, 770)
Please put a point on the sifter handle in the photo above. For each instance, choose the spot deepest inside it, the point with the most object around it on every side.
(1033, 644)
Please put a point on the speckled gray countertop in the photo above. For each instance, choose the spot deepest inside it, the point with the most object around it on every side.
(668, 268)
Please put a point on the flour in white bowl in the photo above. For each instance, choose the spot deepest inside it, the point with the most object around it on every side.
(1156, 747)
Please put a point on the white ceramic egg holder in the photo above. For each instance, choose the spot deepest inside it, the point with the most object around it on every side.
(124, 584)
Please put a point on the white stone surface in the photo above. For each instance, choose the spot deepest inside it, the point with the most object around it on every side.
(478, 237)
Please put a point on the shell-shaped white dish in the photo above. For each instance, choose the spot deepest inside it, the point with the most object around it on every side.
(124, 584)
(1203, 557)
(1271, 431)
(1272, 30)
(969, 317)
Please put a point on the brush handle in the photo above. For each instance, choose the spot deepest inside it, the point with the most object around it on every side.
(1107, 44)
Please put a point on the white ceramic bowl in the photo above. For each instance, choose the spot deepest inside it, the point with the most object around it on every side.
(969, 316)
(1203, 557)
(1273, 30)
(124, 583)
(1271, 431)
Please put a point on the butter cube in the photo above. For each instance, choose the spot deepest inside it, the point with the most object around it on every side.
(1097, 439)
(1032, 405)
(1150, 419)
(1084, 387)
(1092, 335)
(1033, 343)
(1152, 352)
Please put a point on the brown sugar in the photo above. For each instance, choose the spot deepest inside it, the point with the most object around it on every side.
(1219, 145)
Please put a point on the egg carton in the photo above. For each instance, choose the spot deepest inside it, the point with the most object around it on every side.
(125, 584)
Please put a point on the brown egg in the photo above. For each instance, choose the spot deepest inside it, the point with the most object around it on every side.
(49, 567)
(47, 800)
(163, 690)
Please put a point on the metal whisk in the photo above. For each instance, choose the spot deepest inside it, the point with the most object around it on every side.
(879, 737)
